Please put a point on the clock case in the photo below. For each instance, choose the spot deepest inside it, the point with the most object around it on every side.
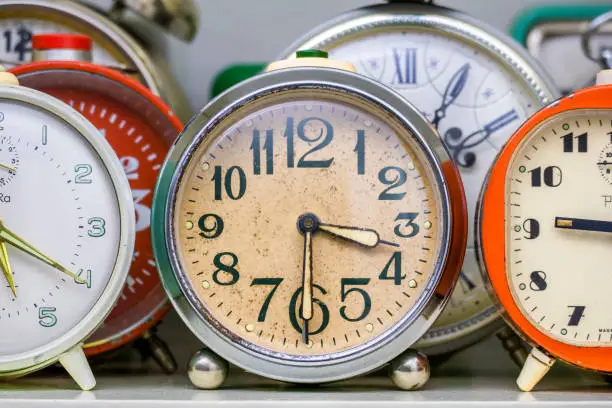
(491, 238)
(352, 362)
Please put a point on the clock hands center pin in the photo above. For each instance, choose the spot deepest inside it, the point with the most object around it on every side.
(9, 237)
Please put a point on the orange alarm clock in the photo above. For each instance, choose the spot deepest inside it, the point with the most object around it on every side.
(545, 228)
(140, 127)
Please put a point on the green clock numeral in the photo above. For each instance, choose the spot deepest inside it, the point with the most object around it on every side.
(394, 177)
(367, 301)
(227, 182)
(83, 171)
(396, 263)
(97, 229)
(324, 138)
(295, 311)
(226, 269)
(266, 281)
(87, 277)
(411, 227)
(268, 146)
(46, 316)
(360, 150)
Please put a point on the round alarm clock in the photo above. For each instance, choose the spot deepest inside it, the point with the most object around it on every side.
(309, 226)
(140, 128)
(473, 83)
(112, 45)
(543, 224)
(66, 232)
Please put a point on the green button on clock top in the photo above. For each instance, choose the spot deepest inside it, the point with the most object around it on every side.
(311, 54)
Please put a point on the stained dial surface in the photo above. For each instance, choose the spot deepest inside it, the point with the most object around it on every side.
(474, 101)
(559, 227)
(239, 201)
(62, 201)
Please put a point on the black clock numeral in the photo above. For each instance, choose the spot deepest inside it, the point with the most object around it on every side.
(211, 226)
(367, 301)
(396, 263)
(552, 176)
(568, 142)
(225, 270)
(538, 281)
(295, 312)
(398, 180)
(360, 150)
(323, 139)
(268, 146)
(532, 227)
(21, 46)
(228, 183)
(411, 227)
(266, 281)
(576, 315)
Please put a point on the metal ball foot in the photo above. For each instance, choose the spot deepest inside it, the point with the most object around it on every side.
(207, 370)
(410, 371)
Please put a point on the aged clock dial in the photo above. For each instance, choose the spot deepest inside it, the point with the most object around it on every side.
(463, 77)
(290, 158)
(561, 163)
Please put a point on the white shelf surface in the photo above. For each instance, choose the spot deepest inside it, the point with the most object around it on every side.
(243, 391)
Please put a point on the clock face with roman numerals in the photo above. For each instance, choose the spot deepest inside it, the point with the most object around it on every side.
(374, 208)
(472, 96)
(558, 220)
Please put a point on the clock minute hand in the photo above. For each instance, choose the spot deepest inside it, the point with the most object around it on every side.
(451, 93)
(6, 268)
(13, 239)
(363, 236)
(583, 224)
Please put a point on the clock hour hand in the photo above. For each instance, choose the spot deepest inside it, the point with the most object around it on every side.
(13, 239)
(6, 268)
(451, 93)
(362, 236)
(583, 224)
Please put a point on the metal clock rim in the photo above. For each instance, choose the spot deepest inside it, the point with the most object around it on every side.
(453, 23)
(363, 360)
(30, 361)
(134, 51)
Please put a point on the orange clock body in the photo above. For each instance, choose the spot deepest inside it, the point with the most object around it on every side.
(492, 235)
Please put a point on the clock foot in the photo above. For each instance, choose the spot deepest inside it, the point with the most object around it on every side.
(150, 345)
(536, 366)
(513, 345)
(410, 370)
(207, 370)
(76, 364)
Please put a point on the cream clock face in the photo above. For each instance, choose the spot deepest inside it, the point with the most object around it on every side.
(473, 100)
(57, 198)
(245, 188)
(559, 223)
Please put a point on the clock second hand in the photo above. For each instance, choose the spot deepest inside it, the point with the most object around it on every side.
(6, 268)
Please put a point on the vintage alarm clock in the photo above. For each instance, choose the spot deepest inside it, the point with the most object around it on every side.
(473, 83)
(113, 45)
(543, 225)
(66, 232)
(309, 226)
(140, 128)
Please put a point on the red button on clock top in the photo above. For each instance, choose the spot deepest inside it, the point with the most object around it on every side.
(140, 128)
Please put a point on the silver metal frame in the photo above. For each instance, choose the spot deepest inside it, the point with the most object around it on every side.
(153, 76)
(50, 353)
(292, 368)
(458, 25)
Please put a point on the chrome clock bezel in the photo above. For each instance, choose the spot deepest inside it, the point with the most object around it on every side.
(49, 354)
(352, 362)
(457, 25)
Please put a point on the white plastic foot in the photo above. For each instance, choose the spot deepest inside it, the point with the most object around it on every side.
(75, 362)
(535, 368)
